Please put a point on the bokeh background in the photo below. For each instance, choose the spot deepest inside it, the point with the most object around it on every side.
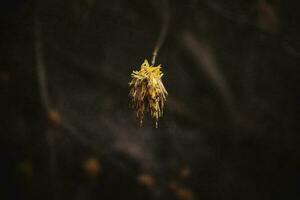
(229, 129)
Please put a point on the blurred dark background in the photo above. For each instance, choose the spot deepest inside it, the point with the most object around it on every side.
(230, 126)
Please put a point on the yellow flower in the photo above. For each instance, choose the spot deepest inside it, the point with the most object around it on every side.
(147, 93)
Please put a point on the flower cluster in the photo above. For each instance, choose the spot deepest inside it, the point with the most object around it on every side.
(147, 93)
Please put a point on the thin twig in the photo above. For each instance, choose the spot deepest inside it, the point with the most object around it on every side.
(163, 32)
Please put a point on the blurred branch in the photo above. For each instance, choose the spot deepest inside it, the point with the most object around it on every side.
(42, 85)
(40, 65)
(54, 117)
(206, 62)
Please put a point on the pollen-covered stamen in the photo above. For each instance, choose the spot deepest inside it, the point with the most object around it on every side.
(147, 91)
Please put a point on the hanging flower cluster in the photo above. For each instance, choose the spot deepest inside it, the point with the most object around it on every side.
(147, 93)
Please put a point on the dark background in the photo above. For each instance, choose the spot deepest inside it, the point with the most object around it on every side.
(230, 126)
